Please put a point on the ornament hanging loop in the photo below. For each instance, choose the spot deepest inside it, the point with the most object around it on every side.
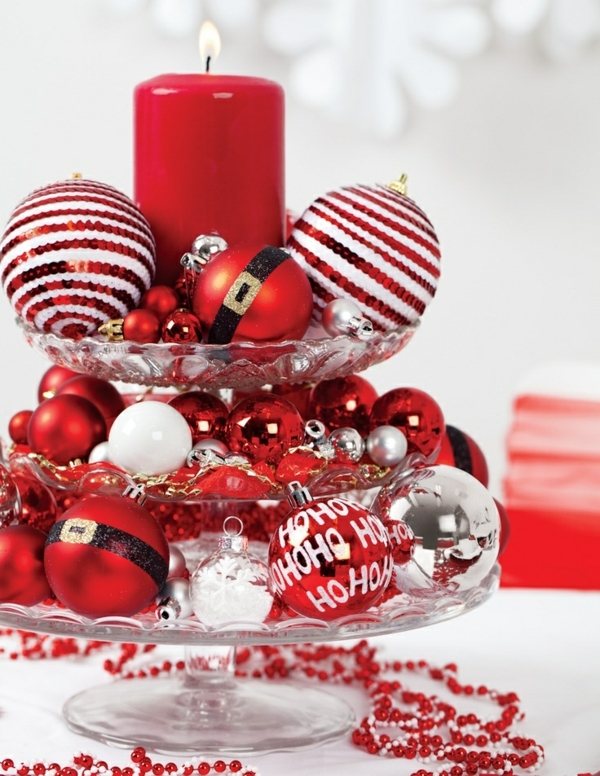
(233, 526)
(232, 538)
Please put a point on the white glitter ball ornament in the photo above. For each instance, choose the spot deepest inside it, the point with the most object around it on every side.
(373, 245)
(75, 254)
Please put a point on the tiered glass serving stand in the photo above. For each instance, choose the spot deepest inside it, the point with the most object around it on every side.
(208, 709)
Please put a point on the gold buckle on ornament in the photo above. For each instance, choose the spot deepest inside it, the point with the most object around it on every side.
(243, 279)
(77, 531)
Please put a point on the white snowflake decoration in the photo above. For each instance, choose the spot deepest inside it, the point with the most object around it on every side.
(563, 27)
(364, 61)
(233, 588)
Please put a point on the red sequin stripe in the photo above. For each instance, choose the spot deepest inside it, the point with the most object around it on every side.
(351, 290)
(69, 268)
(109, 310)
(118, 216)
(429, 246)
(407, 202)
(385, 281)
(405, 269)
(80, 265)
(396, 205)
(121, 294)
(391, 243)
(86, 186)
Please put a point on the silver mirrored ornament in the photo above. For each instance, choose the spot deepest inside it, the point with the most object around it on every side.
(348, 445)
(386, 446)
(204, 247)
(177, 564)
(455, 522)
(173, 601)
(342, 316)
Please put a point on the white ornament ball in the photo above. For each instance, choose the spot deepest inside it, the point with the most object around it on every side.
(386, 446)
(149, 438)
(75, 254)
(372, 245)
(99, 454)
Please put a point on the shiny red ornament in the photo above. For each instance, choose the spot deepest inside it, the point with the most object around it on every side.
(329, 557)
(206, 415)
(182, 326)
(9, 498)
(22, 577)
(255, 295)
(343, 402)
(298, 394)
(17, 426)
(38, 505)
(106, 556)
(141, 326)
(416, 414)
(264, 428)
(52, 379)
(102, 394)
(504, 526)
(65, 428)
(160, 300)
(462, 451)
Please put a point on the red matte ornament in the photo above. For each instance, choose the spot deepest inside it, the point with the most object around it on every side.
(330, 558)
(38, 505)
(102, 394)
(206, 415)
(462, 451)
(343, 402)
(416, 414)
(254, 295)
(160, 300)
(17, 426)
(264, 428)
(22, 577)
(106, 556)
(65, 428)
(141, 326)
(181, 326)
(52, 379)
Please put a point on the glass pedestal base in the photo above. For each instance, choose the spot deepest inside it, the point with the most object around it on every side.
(234, 717)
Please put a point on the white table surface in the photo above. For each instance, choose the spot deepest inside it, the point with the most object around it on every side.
(545, 645)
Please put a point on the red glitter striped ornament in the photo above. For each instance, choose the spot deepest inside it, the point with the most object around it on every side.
(371, 244)
(75, 254)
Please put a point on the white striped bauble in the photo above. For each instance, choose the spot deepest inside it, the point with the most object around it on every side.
(371, 244)
(75, 254)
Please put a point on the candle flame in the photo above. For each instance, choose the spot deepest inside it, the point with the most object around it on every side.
(210, 43)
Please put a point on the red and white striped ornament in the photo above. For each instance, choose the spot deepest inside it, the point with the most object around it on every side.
(371, 244)
(75, 254)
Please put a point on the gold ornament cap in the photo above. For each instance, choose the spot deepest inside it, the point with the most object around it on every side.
(400, 185)
(112, 330)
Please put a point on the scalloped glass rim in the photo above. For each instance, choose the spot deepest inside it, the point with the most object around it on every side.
(402, 613)
(244, 365)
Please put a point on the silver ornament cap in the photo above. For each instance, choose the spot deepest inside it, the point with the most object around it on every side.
(232, 538)
(342, 316)
(297, 494)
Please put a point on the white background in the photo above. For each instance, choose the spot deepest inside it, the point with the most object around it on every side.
(509, 174)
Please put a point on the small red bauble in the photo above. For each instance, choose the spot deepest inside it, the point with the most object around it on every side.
(245, 294)
(102, 394)
(17, 426)
(462, 451)
(22, 577)
(206, 415)
(38, 505)
(181, 326)
(160, 300)
(65, 428)
(141, 326)
(343, 402)
(264, 428)
(329, 557)
(416, 414)
(106, 556)
(298, 394)
(52, 379)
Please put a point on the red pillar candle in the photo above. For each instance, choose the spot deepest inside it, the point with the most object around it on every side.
(209, 158)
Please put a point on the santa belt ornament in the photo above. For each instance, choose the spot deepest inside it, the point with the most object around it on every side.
(242, 292)
(105, 537)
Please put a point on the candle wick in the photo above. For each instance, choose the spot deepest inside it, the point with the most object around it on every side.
(208, 58)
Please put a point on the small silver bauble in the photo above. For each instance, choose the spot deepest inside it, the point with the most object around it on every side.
(207, 452)
(348, 445)
(174, 600)
(177, 564)
(342, 316)
(455, 522)
(386, 446)
(204, 247)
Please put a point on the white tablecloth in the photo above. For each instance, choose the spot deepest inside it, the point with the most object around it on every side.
(545, 645)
